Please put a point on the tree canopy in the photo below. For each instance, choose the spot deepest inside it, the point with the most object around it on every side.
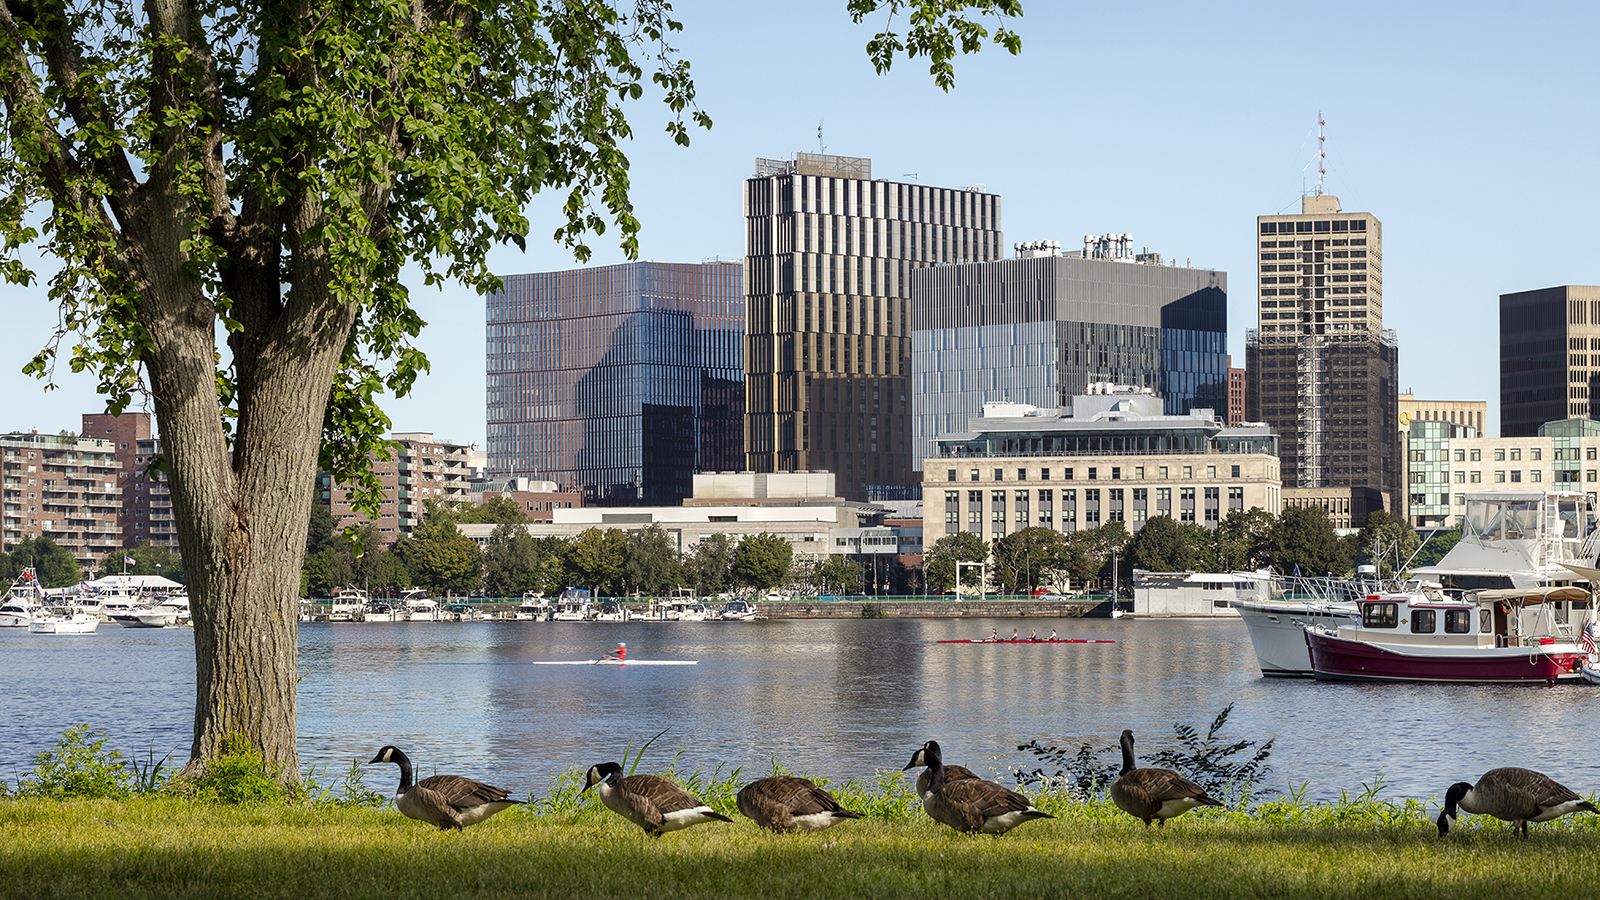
(762, 561)
(940, 560)
(266, 172)
(1025, 559)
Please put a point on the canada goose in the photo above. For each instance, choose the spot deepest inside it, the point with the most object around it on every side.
(925, 778)
(970, 804)
(789, 803)
(1154, 794)
(649, 801)
(448, 801)
(1518, 796)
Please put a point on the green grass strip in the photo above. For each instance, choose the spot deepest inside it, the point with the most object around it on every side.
(167, 848)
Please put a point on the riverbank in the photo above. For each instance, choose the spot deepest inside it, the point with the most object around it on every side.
(173, 849)
(846, 608)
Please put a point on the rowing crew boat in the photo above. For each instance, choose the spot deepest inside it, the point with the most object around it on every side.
(1026, 641)
(616, 662)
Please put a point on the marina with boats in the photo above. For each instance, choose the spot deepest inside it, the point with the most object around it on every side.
(1510, 603)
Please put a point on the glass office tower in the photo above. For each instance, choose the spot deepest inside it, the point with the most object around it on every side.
(619, 381)
(1040, 329)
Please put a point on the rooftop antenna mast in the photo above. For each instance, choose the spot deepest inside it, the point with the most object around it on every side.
(1322, 155)
(823, 148)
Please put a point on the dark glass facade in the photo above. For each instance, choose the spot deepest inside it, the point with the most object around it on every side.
(619, 381)
(1040, 330)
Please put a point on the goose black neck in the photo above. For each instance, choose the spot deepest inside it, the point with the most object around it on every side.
(401, 760)
(1127, 753)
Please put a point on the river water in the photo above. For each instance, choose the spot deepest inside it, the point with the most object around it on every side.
(831, 698)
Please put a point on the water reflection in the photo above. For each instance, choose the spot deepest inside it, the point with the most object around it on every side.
(834, 698)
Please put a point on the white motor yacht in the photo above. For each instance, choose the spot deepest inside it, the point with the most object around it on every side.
(172, 612)
(23, 601)
(63, 620)
(419, 607)
(349, 604)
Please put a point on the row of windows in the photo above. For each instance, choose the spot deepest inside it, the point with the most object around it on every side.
(1501, 454)
(1322, 226)
(1092, 473)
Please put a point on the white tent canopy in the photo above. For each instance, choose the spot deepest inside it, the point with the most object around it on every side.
(133, 582)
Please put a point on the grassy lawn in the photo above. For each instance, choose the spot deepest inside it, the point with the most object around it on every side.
(168, 848)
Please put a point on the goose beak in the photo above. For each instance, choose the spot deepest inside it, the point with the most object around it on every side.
(1445, 822)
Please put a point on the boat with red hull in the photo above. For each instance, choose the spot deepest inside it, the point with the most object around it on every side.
(1507, 636)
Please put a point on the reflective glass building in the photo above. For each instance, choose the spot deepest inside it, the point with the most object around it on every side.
(619, 381)
(1039, 330)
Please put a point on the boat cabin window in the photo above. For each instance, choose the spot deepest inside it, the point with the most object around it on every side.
(1422, 621)
(1458, 621)
(1380, 615)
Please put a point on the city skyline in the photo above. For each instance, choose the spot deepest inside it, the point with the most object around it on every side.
(1173, 126)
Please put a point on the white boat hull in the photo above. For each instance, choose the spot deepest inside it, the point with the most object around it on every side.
(74, 625)
(1277, 632)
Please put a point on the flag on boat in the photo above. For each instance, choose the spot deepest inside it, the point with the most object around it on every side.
(1588, 641)
(128, 560)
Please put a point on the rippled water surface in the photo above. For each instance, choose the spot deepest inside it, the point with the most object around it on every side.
(829, 697)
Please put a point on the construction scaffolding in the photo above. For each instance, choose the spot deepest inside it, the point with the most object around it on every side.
(1330, 396)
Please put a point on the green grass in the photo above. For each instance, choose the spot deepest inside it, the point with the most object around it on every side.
(164, 847)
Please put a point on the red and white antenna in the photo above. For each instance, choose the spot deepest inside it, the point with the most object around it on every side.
(1322, 156)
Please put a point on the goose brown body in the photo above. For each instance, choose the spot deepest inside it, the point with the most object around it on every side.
(791, 803)
(1514, 795)
(970, 804)
(649, 801)
(448, 801)
(951, 773)
(1154, 795)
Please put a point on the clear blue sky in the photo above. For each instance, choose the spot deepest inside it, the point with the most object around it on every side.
(1468, 129)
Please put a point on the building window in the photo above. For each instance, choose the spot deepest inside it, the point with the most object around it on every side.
(1461, 477)
(1477, 456)
(1066, 474)
(1516, 454)
(1461, 456)
(999, 474)
(1500, 477)
(1477, 478)
(1188, 472)
(1235, 472)
(1589, 453)
(1138, 473)
(974, 475)
(1211, 471)
(1499, 454)
(1094, 473)
(1044, 474)
(1163, 472)
(1535, 454)
(1516, 476)
(950, 475)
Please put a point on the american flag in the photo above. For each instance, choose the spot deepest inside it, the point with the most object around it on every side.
(1588, 641)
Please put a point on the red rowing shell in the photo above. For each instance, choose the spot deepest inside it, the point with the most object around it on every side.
(1026, 641)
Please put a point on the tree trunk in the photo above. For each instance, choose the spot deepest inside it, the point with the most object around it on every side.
(243, 535)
